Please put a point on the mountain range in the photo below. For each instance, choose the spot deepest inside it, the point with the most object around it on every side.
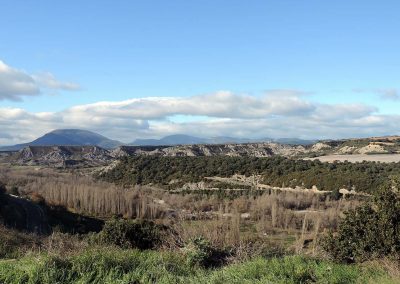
(78, 137)
(181, 139)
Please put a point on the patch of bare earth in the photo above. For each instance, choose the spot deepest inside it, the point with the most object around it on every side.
(383, 158)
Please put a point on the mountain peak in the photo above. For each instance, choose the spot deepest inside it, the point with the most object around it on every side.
(69, 137)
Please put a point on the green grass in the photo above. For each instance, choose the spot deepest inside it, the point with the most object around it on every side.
(111, 265)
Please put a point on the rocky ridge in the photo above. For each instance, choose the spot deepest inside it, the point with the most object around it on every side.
(89, 156)
(62, 156)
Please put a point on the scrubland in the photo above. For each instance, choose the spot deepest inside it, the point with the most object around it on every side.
(244, 235)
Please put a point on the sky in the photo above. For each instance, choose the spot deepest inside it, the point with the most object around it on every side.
(309, 69)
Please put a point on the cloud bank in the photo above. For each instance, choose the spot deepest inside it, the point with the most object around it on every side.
(16, 84)
(276, 114)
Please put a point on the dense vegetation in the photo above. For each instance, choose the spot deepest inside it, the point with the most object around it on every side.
(275, 171)
(140, 234)
(273, 237)
(132, 266)
(369, 231)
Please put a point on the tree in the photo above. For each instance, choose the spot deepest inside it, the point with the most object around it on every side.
(369, 231)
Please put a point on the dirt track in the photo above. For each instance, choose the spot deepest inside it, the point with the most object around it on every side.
(383, 158)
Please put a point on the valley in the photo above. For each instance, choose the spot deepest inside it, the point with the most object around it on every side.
(210, 207)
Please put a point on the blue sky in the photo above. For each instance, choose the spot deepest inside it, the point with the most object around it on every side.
(323, 53)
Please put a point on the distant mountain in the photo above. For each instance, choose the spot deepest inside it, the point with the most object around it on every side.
(178, 139)
(78, 137)
(68, 137)
(294, 141)
(181, 139)
(226, 139)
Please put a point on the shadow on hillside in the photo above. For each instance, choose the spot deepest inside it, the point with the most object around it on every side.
(32, 217)
(62, 220)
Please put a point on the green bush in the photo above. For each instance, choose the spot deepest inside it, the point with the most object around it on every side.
(200, 252)
(370, 231)
(335, 194)
(141, 234)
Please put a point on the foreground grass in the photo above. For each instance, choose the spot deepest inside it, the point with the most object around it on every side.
(133, 266)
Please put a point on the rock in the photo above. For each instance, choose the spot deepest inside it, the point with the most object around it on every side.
(320, 146)
(372, 148)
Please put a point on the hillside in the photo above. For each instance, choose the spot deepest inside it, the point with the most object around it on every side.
(372, 149)
(249, 149)
(77, 156)
(362, 147)
(61, 156)
(196, 172)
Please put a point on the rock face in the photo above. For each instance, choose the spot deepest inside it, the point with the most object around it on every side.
(346, 150)
(320, 146)
(62, 156)
(372, 148)
(89, 156)
(250, 150)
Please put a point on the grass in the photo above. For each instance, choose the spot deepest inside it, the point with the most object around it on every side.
(113, 265)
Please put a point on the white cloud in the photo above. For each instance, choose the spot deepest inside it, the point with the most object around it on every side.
(15, 83)
(47, 80)
(286, 114)
(389, 94)
(221, 104)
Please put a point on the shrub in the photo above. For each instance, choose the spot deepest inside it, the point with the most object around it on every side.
(200, 252)
(335, 194)
(14, 190)
(370, 231)
(140, 234)
(14, 244)
(37, 198)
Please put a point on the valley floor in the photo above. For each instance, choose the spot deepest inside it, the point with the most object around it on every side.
(232, 234)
